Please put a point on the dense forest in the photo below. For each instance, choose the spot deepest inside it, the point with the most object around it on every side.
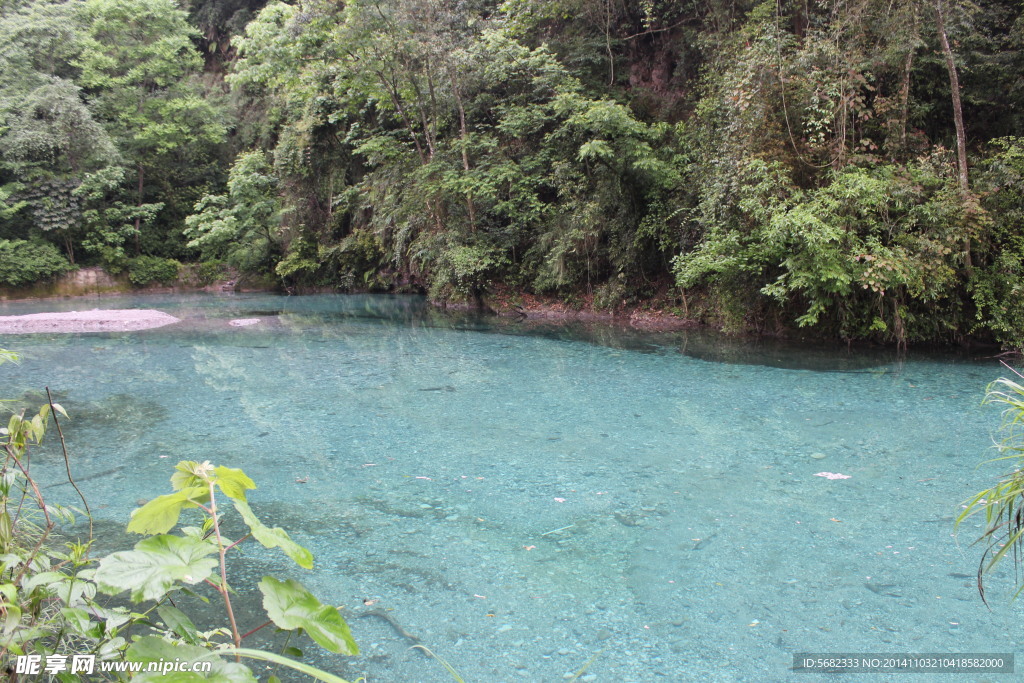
(853, 168)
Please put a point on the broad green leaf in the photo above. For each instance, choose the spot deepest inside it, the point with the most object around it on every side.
(42, 579)
(159, 515)
(12, 619)
(275, 658)
(78, 619)
(233, 482)
(274, 538)
(156, 564)
(178, 621)
(157, 649)
(290, 606)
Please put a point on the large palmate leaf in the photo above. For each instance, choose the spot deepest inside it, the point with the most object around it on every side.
(156, 649)
(159, 515)
(155, 565)
(290, 606)
(274, 538)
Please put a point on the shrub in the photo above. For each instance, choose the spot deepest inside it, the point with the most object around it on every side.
(147, 270)
(23, 262)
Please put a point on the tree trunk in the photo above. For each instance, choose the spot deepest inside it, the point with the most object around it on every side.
(463, 133)
(138, 216)
(958, 118)
(908, 65)
(954, 86)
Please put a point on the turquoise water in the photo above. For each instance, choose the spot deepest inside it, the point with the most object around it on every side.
(526, 499)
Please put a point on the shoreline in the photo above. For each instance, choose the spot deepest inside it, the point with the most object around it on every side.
(658, 314)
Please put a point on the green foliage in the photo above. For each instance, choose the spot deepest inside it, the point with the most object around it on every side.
(780, 163)
(23, 262)
(290, 606)
(155, 566)
(48, 597)
(240, 227)
(1000, 505)
(147, 270)
(998, 286)
(164, 563)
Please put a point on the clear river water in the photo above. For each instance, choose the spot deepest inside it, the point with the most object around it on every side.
(525, 499)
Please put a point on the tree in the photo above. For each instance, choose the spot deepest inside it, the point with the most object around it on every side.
(136, 65)
(51, 143)
(243, 225)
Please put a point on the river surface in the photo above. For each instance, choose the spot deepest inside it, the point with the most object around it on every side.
(525, 499)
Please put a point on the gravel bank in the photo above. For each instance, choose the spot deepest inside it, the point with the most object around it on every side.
(96, 320)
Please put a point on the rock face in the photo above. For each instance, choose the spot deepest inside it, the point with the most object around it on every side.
(75, 283)
(96, 320)
(90, 280)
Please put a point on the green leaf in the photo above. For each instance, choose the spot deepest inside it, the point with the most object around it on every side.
(284, 661)
(155, 565)
(233, 482)
(159, 515)
(274, 538)
(187, 474)
(290, 606)
(157, 649)
(12, 619)
(78, 619)
(178, 621)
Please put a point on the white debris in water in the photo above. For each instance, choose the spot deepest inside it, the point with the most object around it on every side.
(832, 475)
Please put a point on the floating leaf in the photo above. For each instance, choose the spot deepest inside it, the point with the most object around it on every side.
(274, 538)
(159, 515)
(156, 564)
(290, 606)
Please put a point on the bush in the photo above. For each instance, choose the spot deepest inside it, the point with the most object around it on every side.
(147, 270)
(23, 262)
(209, 272)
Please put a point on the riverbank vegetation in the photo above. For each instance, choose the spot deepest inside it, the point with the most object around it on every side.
(52, 592)
(851, 169)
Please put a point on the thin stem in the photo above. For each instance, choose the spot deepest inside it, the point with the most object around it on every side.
(223, 589)
(67, 462)
(236, 543)
(246, 635)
